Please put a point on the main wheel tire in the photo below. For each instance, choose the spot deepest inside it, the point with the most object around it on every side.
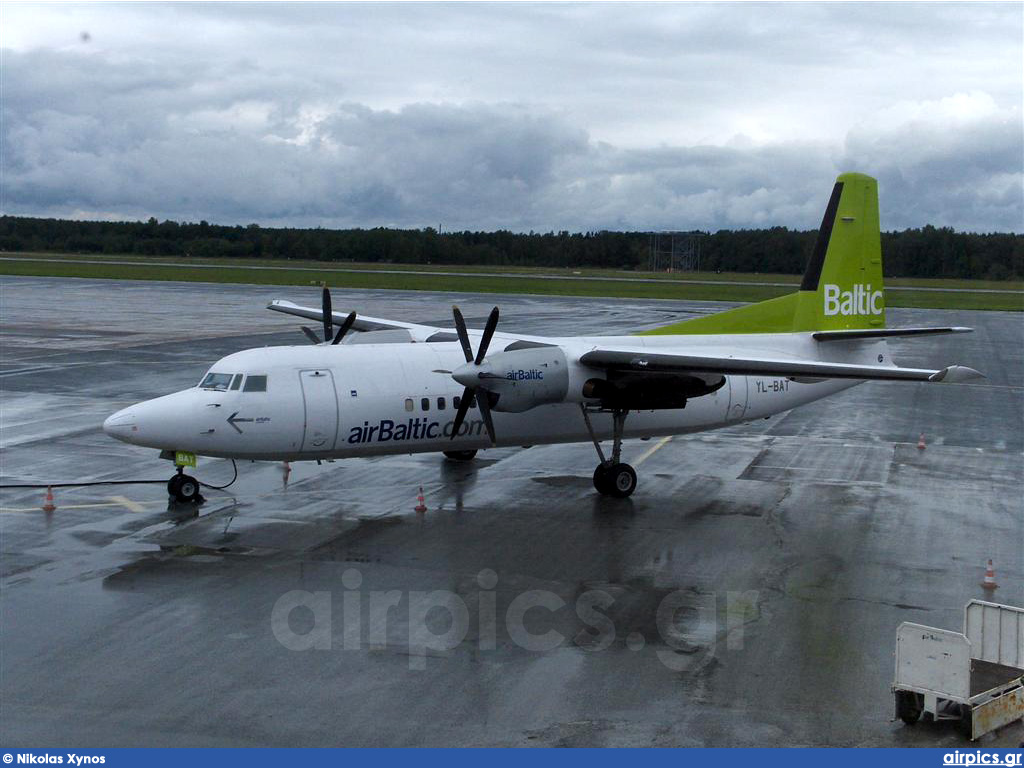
(601, 479)
(460, 455)
(621, 480)
(908, 706)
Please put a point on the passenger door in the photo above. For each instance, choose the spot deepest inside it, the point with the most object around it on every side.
(321, 410)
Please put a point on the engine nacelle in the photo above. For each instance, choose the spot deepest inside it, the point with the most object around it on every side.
(631, 391)
(527, 375)
(520, 379)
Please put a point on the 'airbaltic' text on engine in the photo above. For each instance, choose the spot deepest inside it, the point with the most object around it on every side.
(520, 375)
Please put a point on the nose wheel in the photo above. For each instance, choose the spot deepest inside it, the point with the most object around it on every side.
(184, 488)
(460, 455)
(612, 476)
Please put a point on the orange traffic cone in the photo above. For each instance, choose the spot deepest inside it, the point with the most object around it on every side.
(990, 578)
(420, 505)
(48, 505)
(920, 442)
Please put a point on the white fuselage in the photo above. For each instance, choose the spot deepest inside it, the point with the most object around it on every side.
(353, 400)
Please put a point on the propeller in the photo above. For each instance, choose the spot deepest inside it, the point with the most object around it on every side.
(470, 392)
(328, 319)
(345, 325)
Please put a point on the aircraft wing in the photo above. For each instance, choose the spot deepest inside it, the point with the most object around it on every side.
(362, 323)
(641, 362)
(415, 331)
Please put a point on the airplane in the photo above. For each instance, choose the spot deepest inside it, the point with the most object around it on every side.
(401, 388)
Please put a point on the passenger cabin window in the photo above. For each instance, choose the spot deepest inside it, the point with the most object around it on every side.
(255, 384)
(237, 382)
(409, 405)
(218, 381)
(440, 403)
(425, 403)
(456, 402)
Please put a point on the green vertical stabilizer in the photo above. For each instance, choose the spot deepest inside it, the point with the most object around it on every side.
(842, 286)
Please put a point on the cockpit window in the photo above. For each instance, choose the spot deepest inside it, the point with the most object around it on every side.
(237, 381)
(255, 384)
(219, 381)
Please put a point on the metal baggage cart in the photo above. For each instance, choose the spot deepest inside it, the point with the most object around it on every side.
(975, 676)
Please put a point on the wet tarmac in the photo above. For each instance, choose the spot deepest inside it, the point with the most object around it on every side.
(747, 595)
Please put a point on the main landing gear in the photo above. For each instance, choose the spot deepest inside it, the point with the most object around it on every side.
(184, 488)
(612, 477)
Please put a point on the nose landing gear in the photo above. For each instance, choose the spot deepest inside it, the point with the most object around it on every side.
(460, 455)
(612, 477)
(184, 488)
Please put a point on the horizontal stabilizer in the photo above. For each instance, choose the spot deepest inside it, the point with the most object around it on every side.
(806, 369)
(853, 334)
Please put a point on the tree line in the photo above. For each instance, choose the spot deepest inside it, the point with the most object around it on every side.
(925, 252)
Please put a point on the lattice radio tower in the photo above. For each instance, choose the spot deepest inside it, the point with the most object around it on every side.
(675, 251)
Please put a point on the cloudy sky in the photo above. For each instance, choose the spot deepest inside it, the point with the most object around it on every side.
(542, 116)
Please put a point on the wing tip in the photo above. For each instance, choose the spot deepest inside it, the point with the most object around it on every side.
(956, 374)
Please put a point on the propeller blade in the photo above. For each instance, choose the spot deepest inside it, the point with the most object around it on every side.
(460, 328)
(460, 415)
(344, 327)
(328, 317)
(485, 341)
(485, 411)
(310, 335)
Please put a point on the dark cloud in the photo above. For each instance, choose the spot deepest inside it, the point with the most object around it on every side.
(481, 116)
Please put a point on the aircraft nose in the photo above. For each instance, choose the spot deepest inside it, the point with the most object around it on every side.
(167, 422)
(121, 425)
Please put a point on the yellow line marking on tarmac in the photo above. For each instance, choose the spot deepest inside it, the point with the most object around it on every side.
(131, 506)
(59, 507)
(652, 450)
(116, 501)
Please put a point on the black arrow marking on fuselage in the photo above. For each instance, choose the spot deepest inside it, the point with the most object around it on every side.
(232, 420)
